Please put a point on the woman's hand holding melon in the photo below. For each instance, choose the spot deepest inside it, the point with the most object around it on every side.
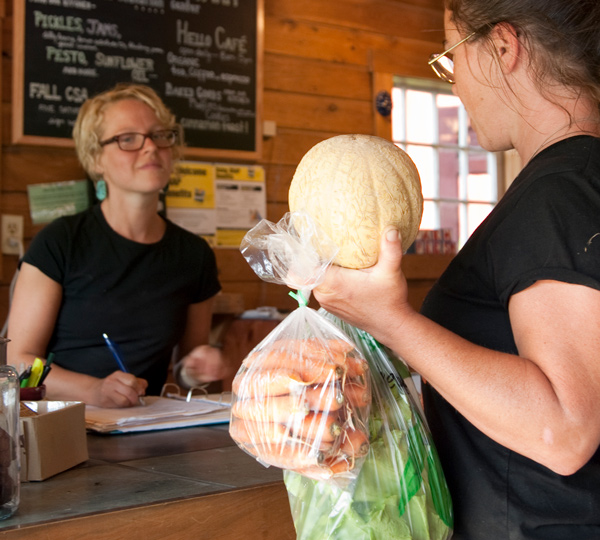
(373, 299)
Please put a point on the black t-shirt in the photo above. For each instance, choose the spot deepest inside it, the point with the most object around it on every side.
(136, 293)
(545, 227)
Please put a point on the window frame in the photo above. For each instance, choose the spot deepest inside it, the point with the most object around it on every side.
(495, 161)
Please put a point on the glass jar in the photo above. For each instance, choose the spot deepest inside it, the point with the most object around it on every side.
(9, 442)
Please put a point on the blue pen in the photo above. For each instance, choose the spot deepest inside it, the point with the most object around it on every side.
(115, 353)
(113, 349)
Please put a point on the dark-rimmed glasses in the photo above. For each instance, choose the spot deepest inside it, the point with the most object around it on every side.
(442, 64)
(131, 142)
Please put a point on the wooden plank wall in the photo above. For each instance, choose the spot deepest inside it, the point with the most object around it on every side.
(323, 62)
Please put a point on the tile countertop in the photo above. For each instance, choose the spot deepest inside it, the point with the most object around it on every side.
(162, 484)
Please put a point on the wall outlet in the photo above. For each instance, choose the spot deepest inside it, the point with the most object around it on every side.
(12, 234)
(269, 129)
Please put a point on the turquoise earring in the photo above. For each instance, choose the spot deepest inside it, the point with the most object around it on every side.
(101, 190)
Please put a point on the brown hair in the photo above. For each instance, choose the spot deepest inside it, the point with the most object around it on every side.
(561, 36)
(87, 131)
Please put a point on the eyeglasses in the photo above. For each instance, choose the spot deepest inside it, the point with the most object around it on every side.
(131, 142)
(442, 65)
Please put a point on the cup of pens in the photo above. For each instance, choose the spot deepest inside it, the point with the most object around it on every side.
(31, 380)
(35, 393)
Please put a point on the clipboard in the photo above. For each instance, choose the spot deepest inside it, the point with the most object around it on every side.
(168, 411)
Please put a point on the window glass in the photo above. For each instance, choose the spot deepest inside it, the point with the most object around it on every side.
(420, 113)
(450, 217)
(459, 179)
(448, 106)
(423, 158)
(476, 213)
(480, 187)
(448, 174)
(431, 215)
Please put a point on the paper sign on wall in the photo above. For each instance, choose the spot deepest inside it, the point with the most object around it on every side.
(241, 201)
(190, 198)
(220, 202)
(50, 201)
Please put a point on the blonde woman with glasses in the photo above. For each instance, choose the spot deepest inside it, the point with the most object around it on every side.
(118, 269)
(508, 339)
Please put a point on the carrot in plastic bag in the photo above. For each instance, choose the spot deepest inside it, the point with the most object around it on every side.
(279, 409)
(268, 382)
(325, 351)
(337, 351)
(277, 358)
(252, 432)
(292, 455)
(355, 443)
(329, 467)
(295, 252)
(356, 368)
(270, 433)
(314, 373)
(313, 347)
(357, 395)
(324, 397)
(326, 427)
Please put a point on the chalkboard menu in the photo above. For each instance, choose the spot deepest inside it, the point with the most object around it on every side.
(203, 57)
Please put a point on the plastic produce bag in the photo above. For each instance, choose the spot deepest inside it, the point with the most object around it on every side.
(400, 492)
(301, 397)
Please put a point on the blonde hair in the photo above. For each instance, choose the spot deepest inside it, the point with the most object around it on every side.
(87, 131)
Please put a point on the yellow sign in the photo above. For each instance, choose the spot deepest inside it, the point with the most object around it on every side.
(238, 173)
(220, 202)
(192, 186)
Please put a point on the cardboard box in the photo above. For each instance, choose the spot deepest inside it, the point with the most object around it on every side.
(54, 439)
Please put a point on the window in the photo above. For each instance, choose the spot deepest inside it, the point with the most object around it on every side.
(459, 178)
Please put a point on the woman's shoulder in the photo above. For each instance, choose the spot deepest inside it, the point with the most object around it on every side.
(574, 154)
(69, 224)
(51, 247)
(563, 169)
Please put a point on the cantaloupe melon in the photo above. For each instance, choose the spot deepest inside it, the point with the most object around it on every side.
(354, 186)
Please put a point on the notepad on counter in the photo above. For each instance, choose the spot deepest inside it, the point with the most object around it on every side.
(160, 413)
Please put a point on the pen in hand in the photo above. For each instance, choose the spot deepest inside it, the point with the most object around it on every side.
(113, 349)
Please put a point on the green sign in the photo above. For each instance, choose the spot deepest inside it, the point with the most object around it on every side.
(49, 201)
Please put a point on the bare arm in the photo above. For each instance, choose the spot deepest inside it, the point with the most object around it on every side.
(199, 362)
(34, 310)
(540, 404)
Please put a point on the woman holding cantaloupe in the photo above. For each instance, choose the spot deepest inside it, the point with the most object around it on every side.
(508, 340)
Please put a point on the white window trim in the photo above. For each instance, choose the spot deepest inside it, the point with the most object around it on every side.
(497, 165)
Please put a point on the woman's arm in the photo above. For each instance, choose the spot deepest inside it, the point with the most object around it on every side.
(33, 313)
(542, 404)
(198, 361)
